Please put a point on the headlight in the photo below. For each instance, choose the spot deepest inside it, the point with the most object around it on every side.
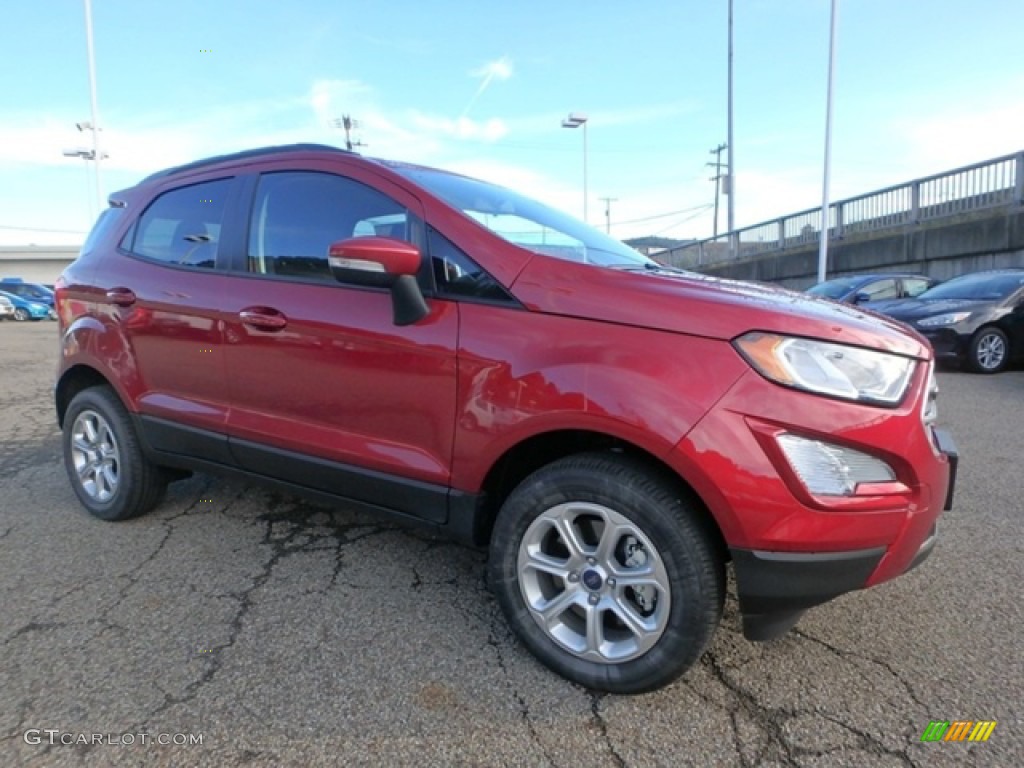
(825, 368)
(950, 318)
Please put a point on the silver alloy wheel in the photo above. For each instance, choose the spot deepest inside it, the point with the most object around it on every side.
(95, 456)
(990, 351)
(594, 583)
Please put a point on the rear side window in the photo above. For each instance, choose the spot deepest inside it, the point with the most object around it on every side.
(298, 214)
(107, 221)
(183, 226)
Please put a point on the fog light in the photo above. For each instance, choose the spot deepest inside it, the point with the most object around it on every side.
(832, 470)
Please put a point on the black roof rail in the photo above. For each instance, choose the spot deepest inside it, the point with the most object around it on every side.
(244, 155)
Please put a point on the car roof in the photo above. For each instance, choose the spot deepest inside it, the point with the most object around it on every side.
(248, 154)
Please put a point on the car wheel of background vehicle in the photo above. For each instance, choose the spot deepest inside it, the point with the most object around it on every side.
(988, 351)
(606, 574)
(105, 464)
(21, 314)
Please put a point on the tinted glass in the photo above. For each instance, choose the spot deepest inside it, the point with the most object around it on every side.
(297, 215)
(979, 287)
(458, 275)
(183, 226)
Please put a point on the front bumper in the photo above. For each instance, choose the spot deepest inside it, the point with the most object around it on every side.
(776, 588)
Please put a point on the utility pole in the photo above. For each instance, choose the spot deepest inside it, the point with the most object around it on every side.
(348, 125)
(717, 178)
(608, 212)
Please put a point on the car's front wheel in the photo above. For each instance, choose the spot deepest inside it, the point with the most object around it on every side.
(105, 463)
(21, 314)
(606, 574)
(989, 351)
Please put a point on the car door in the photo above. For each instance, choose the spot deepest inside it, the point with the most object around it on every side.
(326, 390)
(164, 288)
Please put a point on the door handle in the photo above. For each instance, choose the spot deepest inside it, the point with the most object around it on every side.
(122, 297)
(263, 318)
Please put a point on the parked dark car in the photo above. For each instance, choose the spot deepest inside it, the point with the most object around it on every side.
(449, 352)
(976, 320)
(860, 289)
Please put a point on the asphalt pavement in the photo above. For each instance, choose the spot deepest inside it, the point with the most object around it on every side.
(236, 626)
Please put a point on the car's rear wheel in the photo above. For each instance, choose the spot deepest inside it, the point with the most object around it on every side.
(21, 314)
(104, 460)
(989, 351)
(606, 574)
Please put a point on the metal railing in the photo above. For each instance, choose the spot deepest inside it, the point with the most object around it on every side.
(988, 184)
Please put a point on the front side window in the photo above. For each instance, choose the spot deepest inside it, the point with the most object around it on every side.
(298, 214)
(458, 276)
(183, 226)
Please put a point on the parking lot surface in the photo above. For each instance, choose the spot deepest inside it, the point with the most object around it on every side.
(279, 632)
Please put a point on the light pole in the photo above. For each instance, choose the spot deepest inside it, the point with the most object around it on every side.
(96, 154)
(730, 186)
(575, 120)
(823, 239)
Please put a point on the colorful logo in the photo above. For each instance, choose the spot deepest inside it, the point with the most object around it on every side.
(958, 730)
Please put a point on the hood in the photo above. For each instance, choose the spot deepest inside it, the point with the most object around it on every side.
(698, 305)
(917, 309)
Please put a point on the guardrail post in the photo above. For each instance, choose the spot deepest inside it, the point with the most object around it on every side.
(1018, 182)
(915, 201)
(839, 220)
(700, 254)
(782, 234)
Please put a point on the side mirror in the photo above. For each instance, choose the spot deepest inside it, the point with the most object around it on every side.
(382, 262)
(860, 297)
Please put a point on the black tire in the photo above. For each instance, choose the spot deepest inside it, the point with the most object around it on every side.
(120, 483)
(989, 351)
(679, 546)
(21, 314)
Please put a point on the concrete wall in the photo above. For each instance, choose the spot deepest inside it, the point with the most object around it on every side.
(942, 249)
(36, 264)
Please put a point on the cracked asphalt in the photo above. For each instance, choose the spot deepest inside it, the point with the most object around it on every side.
(291, 634)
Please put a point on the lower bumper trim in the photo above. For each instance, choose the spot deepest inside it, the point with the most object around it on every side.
(775, 588)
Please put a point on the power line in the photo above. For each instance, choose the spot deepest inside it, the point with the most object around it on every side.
(701, 208)
(43, 229)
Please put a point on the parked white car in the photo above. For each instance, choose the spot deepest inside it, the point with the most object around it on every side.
(6, 308)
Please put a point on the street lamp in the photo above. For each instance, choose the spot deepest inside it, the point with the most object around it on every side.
(575, 120)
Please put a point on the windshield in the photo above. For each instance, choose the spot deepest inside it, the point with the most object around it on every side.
(525, 222)
(834, 289)
(978, 287)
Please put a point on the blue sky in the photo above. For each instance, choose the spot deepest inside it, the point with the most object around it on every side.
(921, 86)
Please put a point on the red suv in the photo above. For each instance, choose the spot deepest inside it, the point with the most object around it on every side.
(449, 352)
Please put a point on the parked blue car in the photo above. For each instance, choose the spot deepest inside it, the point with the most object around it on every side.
(36, 292)
(28, 310)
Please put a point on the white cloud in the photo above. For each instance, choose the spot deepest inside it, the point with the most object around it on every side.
(498, 69)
